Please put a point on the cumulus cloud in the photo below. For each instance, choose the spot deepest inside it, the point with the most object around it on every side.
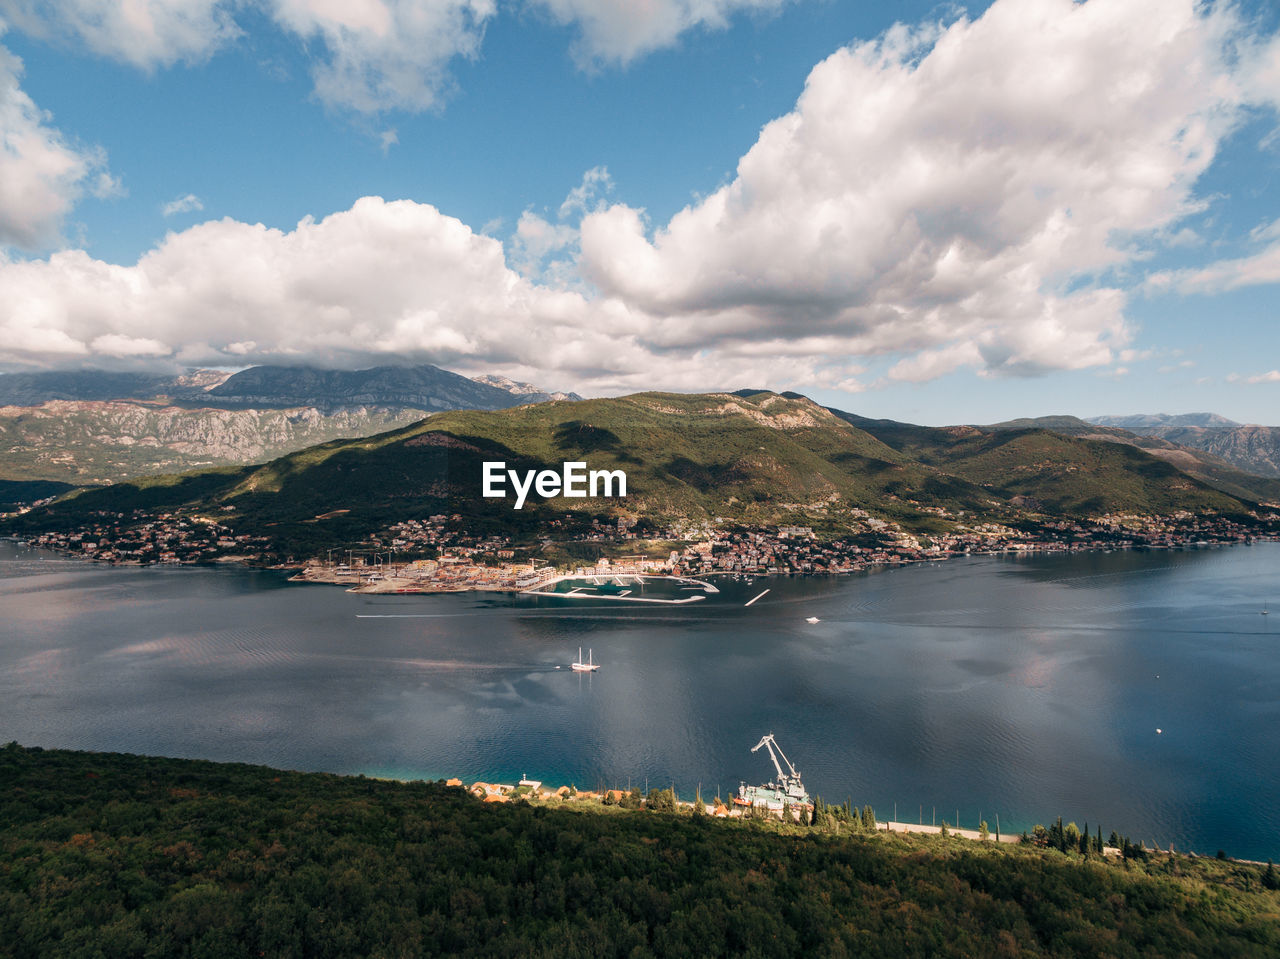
(619, 31)
(182, 204)
(544, 248)
(371, 55)
(382, 281)
(386, 54)
(956, 194)
(41, 174)
(144, 33)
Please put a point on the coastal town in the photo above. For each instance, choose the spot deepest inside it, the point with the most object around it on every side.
(438, 554)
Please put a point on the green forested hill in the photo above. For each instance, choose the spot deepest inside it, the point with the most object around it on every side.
(118, 856)
(1198, 463)
(761, 458)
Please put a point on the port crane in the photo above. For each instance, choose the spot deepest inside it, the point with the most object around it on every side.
(788, 783)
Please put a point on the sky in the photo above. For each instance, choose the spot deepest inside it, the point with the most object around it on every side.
(938, 213)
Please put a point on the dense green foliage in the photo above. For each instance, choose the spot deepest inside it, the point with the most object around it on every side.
(110, 855)
(15, 493)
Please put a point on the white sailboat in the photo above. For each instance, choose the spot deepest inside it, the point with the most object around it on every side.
(588, 667)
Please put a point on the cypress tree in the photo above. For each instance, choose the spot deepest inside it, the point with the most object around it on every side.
(1269, 878)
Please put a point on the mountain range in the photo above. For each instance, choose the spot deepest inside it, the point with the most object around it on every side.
(1248, 447)
(98, 427)
(757, 459)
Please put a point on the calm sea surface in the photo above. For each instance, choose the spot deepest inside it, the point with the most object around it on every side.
(1025, 687)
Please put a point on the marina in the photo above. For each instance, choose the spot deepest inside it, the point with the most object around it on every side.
(626, 587)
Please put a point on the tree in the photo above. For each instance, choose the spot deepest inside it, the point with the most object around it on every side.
(1070, 837)
(868, 818)
(983, 832)
(661, 800)
(1269, 878)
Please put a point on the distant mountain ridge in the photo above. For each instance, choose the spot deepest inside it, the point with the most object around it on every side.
(94, 426)
(527, 391)
(424, 387)
(1249, 447)
(1162, 419)
(427, 388)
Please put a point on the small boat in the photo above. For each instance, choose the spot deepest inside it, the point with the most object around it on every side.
(813, 619)
(581, 667)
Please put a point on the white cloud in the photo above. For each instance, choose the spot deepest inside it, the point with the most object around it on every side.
(536, 239)
(381, 280)
(588, 195)
(1258, 269)
(544, 249)
(370, 55)
(1271, 376)
(386, 54)
(182, 204)
(41, 174)
(619, 31)
(145, 33)
(947, 193)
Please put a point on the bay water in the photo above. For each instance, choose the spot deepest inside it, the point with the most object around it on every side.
(1136, 690)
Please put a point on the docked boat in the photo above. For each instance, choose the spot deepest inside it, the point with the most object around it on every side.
(580, 667)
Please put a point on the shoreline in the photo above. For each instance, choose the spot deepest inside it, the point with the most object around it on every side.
(322, 574)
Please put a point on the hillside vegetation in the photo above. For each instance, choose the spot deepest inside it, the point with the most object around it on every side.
(107, 855)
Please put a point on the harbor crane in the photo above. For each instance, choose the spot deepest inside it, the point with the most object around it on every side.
(788, 782)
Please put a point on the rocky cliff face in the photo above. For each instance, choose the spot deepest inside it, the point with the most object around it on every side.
(92, 426)
(1255, 449)
(527, 392)
(103, 442)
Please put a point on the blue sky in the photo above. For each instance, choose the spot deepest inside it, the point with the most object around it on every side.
(937, 213)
